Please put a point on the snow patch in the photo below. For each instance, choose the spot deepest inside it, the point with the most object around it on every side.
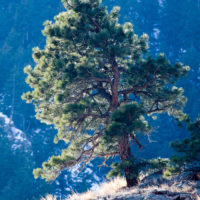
(57, 182)
(5, 118)
(88, 170)
(96, 177)
(183, 50)
(37, 130)
(68, 189)
(156, 33)
(16, 135)
(161, 3)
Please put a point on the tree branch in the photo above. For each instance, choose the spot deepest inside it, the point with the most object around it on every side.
(115, 83)
(137, 141)
(107, 80)
(134, 91)
(103, 93)
(107, 154)
(95, 23)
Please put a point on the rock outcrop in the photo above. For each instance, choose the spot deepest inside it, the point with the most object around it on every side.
(185, 186)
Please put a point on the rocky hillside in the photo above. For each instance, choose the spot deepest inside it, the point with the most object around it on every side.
(185, 186)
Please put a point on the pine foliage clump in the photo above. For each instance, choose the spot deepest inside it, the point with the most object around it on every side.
(96, 83)
(189, 148)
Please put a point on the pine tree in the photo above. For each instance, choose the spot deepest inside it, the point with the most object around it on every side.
(95, 82)
(189, 148)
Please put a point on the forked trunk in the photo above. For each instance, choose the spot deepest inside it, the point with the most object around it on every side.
(125, 156)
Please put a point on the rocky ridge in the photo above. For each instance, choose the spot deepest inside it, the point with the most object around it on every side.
(185, 186)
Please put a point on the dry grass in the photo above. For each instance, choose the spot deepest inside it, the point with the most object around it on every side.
(118, 187)
(103, 190)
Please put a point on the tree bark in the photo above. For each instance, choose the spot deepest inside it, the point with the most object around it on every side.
(114, 86)
(124, 146)
(125, 155)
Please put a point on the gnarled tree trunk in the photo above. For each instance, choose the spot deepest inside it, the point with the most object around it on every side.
(125, 155)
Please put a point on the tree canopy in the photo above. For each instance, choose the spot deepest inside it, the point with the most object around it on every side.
(97, 84)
